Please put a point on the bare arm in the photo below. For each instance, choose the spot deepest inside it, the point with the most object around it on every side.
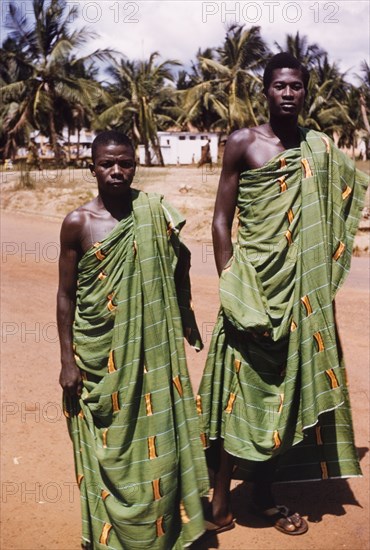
(70, 375)
(226, 201)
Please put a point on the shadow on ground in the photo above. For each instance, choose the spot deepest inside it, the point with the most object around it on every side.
(313, 500)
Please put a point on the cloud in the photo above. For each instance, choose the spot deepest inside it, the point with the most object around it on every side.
(177, 28)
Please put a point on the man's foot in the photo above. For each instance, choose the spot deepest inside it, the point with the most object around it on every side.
(280, 517)
(215, 529)
(216, 524)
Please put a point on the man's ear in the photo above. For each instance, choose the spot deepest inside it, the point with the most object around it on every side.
(92, 169)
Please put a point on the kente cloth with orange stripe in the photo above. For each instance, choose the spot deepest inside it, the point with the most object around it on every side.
(138, 452)
(273, 370)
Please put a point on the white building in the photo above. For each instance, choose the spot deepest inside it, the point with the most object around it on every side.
(182, 147)
(85, 140)
(177, 147)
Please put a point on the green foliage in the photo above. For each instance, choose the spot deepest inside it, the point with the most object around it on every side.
(225, 84)
(47, 85)
(142, 101)
(42, 80)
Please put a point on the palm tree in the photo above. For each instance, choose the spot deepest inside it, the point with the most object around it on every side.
(45, 53)
(203, 102)
(143, 101)
(10, 111)
(308, 54)
(327, 89)
(365, 94)
(348, 131)
(235, 73)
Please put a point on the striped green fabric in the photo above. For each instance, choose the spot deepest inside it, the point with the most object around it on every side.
(274, 383)
(138, 454)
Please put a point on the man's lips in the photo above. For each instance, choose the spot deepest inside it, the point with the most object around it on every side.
(118, 182)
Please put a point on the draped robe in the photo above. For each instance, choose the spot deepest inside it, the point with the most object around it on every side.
(274, 382)
(138, 454)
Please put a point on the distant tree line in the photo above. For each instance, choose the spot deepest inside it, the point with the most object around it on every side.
(47, 85)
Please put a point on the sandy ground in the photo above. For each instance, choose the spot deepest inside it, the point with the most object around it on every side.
(40, 501)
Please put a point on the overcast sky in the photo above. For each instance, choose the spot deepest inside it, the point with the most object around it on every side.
(177, 28)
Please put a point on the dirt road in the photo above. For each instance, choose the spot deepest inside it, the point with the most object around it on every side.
(40, 501)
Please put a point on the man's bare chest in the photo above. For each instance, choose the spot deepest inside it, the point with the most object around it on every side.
(96, 230)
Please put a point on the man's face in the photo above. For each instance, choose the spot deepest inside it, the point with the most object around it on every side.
(285, 94)
(114, 168)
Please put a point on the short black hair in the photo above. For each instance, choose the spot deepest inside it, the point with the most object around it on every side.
(110, 136)
(284, 60)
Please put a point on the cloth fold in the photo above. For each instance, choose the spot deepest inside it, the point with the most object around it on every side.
(139, 459)
(273, 369)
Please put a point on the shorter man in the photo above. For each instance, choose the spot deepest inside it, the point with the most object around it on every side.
(123, 305)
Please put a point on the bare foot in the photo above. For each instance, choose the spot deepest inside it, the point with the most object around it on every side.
(220, 517)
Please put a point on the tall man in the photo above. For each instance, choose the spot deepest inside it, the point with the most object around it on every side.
(123, 306)
(274, 384)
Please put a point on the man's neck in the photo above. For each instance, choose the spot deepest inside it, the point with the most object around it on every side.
(287, 131)
(118, 208)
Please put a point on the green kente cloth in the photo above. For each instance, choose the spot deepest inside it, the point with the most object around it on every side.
(274, 383)
(138, 454)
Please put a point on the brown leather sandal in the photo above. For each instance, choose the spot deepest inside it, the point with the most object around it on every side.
(285, 521)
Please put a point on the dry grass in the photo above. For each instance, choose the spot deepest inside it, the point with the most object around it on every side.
(192, 190)
(56, 192)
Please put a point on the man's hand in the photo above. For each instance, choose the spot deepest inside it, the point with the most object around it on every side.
(71, 380)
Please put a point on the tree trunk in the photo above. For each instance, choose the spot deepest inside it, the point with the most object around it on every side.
(69, 143)
(158, 152)
(364, 113)
(78, 145)
(53, 137)
(148, 159)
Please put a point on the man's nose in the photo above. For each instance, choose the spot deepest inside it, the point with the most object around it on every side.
(288, 91)
(117, 168)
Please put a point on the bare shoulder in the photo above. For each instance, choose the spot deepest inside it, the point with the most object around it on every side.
(73, 224)
(240, 140)
(247, 136)
(79, 216)
(239, 143)
(253, 147)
